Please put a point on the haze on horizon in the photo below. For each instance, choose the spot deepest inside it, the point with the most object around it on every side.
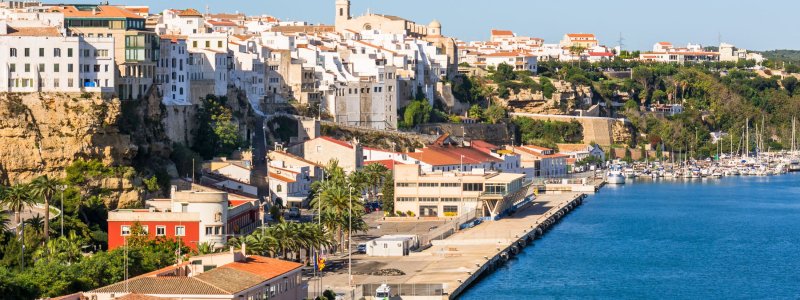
(769, 25)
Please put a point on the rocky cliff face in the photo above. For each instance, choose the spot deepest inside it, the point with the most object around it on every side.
(42, 134)
(566, 95)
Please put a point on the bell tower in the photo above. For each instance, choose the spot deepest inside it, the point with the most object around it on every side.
(342, 13)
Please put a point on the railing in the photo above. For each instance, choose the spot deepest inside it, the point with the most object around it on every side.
(447, 229)
(400, 290)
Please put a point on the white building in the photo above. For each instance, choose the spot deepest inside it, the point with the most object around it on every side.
(172, 70)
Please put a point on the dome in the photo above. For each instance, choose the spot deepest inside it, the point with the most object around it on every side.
(435, 24)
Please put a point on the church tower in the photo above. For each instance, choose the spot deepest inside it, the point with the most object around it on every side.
(342, 13)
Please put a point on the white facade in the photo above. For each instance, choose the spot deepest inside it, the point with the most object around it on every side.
(172, 71)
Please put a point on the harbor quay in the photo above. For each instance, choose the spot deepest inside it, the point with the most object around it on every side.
(451, 265)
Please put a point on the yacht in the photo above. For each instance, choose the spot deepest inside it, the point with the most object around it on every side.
(614, 175)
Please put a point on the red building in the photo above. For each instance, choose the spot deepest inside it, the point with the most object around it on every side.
(184, 227)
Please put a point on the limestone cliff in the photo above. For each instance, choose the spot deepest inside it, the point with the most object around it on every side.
(43, 133)
(566, 96)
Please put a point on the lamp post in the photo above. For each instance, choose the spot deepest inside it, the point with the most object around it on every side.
(62, 188)
(350, 238)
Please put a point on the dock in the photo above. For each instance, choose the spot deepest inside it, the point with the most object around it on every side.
(450, 266)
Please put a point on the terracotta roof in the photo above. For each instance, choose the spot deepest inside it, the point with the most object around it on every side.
(665, 43)
(102, 11)
(222, 23)
(226, 16)
(448, 155)
(601, 54)
(537, 148)
(580, 35)
(142, 297)
(173, 37)
(507, 54)
(138, 9)
(572, 147)
(33, 31)
(335, 141)
(163, 285)
(230, 280)
(281, 178)
(267, 268)
(388, 163)
(483, 145)
(189, 12)
(502, 32)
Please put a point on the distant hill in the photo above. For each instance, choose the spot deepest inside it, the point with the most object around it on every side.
(788, 56)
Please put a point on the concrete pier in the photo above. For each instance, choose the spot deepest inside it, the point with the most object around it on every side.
(446, 269)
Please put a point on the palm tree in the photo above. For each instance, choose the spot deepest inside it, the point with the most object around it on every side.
(375, 175)
(4, 221)
(45, 188)
(16, 198)
(36, 222)
(206, 248)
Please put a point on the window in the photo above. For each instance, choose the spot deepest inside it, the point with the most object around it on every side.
(406, 184)
(451, 184)
(56, 67)
(161, 230)
(428, 184)
(27, 52)
(69, 52)
(406, 199)
(56, 83)
(219, 44)
(27, 67)
(180, 230)
(126, 230)
(145, 230)
(41, 68)
(13, 52)
(450, 210)
(473, 187)
(450, 199)
(96, 68)
(428, 199)
(194, 44)
(12, 67)
(209, 230)
(41, 52)
(279, 188)
(208, 44)
(70, 82)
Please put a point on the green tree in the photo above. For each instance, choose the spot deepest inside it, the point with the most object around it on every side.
(417, 112)
(45, 188)
(17, 198)
(494, 114)
(217, 133)
(504, 73)
(388, 192)
(659, 96)
(547, 87)
(790, 84)
(475, 112)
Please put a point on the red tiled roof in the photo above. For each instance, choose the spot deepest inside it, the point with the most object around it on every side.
(601, 54)
(281, 178)
(222, 23)
(173, 37)
(665, 43)
(388, 163)
(537, 148)
(139, 9)
(502, 32)
(102, 11)
(445, 156)
(580, 35)
(33, 31)
(190, 12)
(265, 267)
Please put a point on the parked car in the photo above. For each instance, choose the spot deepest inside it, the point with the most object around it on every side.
(361, 248)
(293, 212)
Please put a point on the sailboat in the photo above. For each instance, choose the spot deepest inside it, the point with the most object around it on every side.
(794, 159)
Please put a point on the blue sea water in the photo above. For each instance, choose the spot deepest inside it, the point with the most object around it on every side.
(730, 238)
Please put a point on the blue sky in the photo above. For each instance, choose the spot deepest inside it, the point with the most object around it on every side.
(758, 25)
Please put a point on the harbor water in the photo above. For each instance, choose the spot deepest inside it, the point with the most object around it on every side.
(729, 238)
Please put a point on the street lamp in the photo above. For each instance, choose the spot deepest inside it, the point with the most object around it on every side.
(62, 188)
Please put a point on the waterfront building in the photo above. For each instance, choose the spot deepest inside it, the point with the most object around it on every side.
(544, 162)
(446, 154)
(226, 275)
(452, 193)
(193, 216)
